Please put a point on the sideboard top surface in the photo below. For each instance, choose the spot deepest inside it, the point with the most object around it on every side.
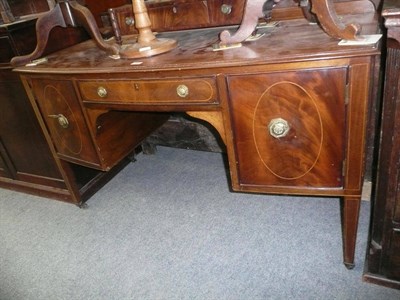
(289, 41)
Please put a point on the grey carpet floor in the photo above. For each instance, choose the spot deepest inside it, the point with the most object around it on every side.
(168, 227)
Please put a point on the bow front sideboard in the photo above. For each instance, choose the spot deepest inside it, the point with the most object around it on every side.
(291, 107)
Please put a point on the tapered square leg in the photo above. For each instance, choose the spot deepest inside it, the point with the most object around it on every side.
(350, 215)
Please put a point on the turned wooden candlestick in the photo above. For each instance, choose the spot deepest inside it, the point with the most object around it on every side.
(147, 44)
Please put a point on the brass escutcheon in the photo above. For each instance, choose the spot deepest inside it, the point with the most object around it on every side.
(278, 128)
(62, 120)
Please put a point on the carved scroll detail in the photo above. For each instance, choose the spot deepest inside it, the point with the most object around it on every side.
(323, 10)
(252, 12)
(65, 13)
(330, 22)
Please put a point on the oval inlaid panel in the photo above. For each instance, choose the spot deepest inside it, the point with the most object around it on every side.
(295, 154)
(68, 138)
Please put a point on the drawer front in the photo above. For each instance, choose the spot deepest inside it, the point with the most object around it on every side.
(226, 12)
(62, 114)
(289, 128)
(178, 15)
(175, 92)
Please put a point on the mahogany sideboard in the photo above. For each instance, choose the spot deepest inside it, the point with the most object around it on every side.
(291, 107)
(180, 130)
(382, 265)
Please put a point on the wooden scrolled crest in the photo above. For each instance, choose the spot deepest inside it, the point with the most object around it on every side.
(314, 10)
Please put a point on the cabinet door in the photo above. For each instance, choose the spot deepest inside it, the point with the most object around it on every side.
(63, 116)
(289, 128)
(25, 149)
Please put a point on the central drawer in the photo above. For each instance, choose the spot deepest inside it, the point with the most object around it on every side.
(169, 91)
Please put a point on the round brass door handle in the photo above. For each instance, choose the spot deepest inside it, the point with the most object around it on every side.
(182, 91)
(226, 9)
(62, 120)
(278, 128)
(102, 92)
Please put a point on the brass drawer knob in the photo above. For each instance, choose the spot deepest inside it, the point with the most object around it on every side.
(62, 120)
(226, 9)
(102, 92)
(278, 128)
(182, 91)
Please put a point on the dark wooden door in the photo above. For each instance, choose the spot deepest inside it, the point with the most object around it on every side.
(388, 191)
(64, 120)
(289, 127)
(21, 135)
